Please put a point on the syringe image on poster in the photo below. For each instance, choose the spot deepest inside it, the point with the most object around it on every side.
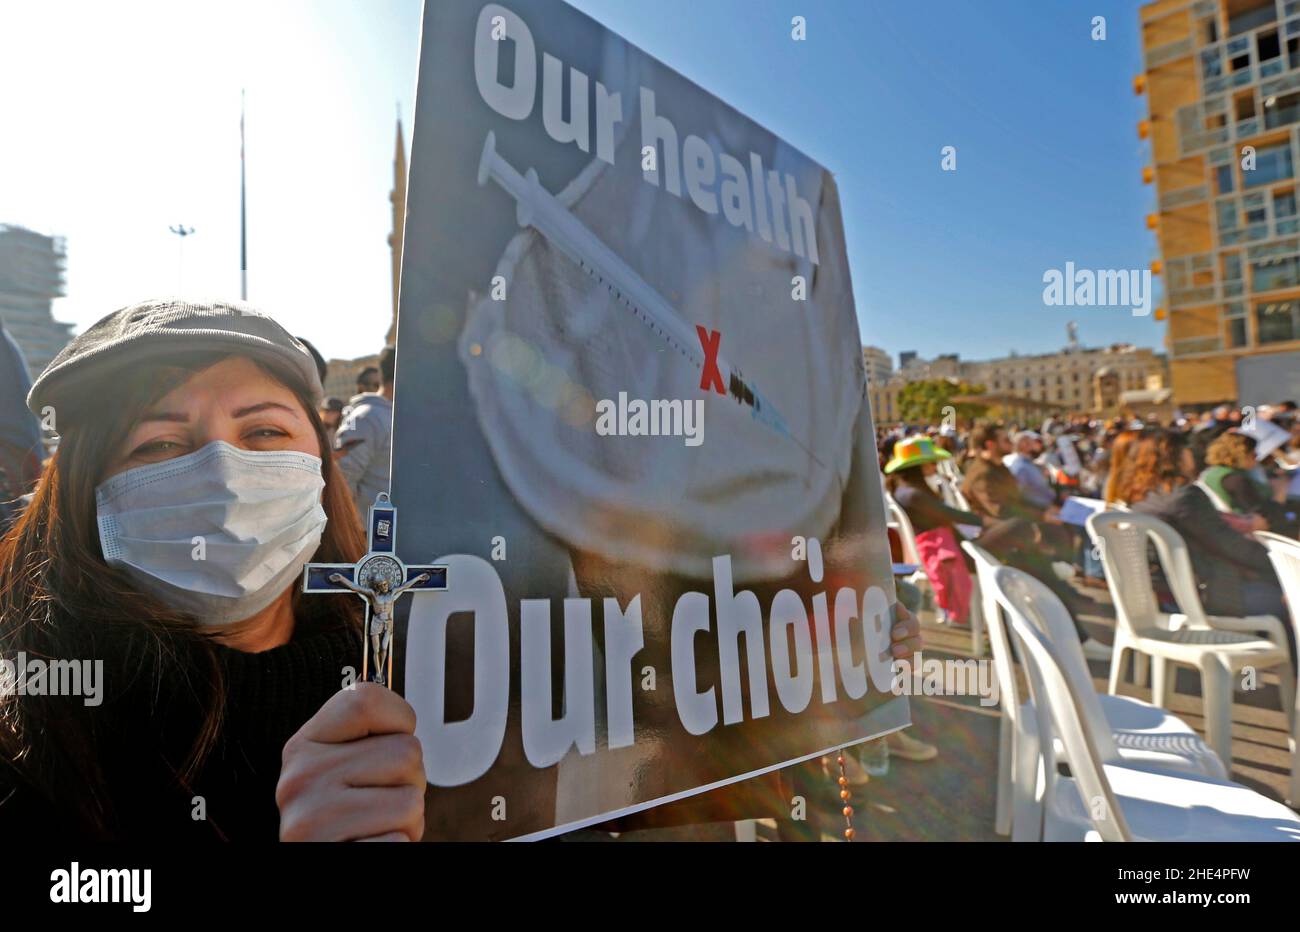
(631, 420)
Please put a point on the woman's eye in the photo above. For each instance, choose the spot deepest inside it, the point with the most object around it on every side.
(264, 433)
(156, 448)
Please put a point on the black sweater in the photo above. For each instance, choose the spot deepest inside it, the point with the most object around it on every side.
(1222, 557)
(270, 695)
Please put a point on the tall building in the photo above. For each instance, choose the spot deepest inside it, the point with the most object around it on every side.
(1066, 378)
(398, 199)
(341, 380)
(943, 366)
(31, 277)
(1222, 85)
(879, 366)
(1063, 380)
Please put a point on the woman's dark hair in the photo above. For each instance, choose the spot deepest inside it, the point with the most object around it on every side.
(60, 599)
(322, 367)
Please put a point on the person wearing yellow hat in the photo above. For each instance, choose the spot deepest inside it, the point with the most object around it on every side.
(909, 469)
(934, 522)
(913, 451)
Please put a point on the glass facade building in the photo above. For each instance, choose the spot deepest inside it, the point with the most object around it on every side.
(1222, 82)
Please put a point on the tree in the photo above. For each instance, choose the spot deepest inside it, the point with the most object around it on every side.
(923, 402)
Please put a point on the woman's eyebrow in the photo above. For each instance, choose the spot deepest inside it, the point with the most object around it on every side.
(254, 409)
(178, 417)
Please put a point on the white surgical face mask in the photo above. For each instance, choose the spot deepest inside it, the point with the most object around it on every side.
(218, 533)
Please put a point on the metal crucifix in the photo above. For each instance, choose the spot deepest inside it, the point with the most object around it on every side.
(380, 579)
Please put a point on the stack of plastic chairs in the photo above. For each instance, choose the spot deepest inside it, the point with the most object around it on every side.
(1140, 734)
(1284, 552)
(1106, 797)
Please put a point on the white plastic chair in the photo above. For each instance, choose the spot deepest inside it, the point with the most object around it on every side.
(1141, 735)
(1284, 552)
(1176, 563)
(954, 498)
(949, 471)
(1105, 799)
(1016, 736)
(952, 493)
(1218, 646)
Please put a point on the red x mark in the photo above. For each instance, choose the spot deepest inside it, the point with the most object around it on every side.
(711, 377)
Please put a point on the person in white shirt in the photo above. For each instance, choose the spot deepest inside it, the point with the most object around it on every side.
(1029, 475)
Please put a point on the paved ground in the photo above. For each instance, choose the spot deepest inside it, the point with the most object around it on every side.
(951, 798)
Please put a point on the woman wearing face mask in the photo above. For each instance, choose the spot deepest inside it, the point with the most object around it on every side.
(163, 553)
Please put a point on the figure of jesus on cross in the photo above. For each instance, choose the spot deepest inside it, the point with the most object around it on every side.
(380, 601)
(380, 579)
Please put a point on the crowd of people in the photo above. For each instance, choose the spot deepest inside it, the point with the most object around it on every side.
(1215, 478)
(179, 421)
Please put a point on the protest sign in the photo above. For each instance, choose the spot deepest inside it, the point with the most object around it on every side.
(631, 420)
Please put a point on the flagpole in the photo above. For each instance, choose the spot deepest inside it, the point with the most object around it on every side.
(243, 228)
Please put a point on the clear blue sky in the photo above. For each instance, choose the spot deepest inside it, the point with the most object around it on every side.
(129, 123)
(1043, 118)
